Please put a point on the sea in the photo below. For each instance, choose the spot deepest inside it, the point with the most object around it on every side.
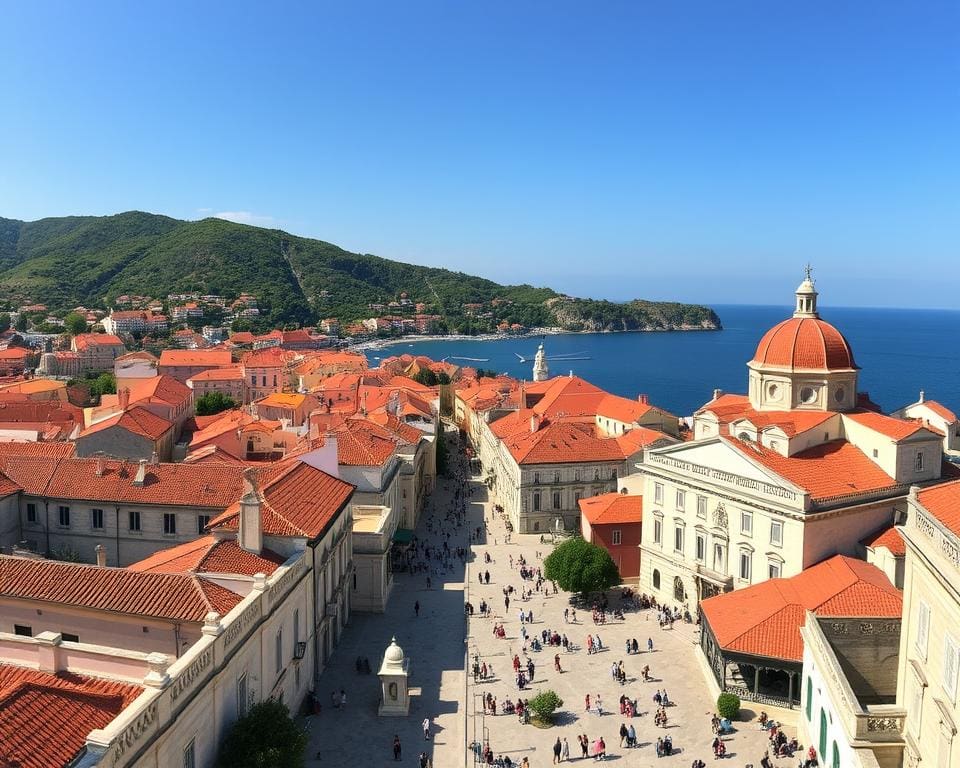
(899, 351)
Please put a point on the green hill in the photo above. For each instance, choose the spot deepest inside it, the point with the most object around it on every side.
(89, 260)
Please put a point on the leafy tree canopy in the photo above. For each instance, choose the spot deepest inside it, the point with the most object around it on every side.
(579, 566)
(728, 705)
(267, 737)
(4, 321)
(214, 402)
(545, 703)
(75, 323)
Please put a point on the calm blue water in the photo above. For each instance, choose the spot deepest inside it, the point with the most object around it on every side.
(900, 351)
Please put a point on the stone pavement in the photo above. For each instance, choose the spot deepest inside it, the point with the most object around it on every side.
(435, 644)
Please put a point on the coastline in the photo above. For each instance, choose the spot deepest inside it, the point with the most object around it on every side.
(419, 338)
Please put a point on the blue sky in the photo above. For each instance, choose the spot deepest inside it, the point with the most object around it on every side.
(691, 150)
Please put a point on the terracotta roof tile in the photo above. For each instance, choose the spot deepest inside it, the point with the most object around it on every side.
(45, 718)
(609, 508)
(209, 555)
(888, 537)
(215, 358)
(943, 502)
(562, 442)
(895, 429)
(115, 590)
(765, 619)
(137, 420)
(941, 410)
(804, 343)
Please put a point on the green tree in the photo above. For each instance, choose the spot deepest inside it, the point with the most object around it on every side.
(728, 705)
(426, 377)
(443, 378)
(579, 566)
(4, 321)
(75, 323)
(544, 704)
(214, 402)
(241, 325)
(104, 384)
(267, 737)
(21, 324)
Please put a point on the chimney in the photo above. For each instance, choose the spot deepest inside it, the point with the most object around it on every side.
(141, 474)
(124, 398)
(534, 424)
(154, 458)
(251, 533)
(101, 467)
(643, 399)
(923, 396)
(717, 393)
(101, 556)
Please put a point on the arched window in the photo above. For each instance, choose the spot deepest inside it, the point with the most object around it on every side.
(835, 759)
(679, 594)
(656, 579)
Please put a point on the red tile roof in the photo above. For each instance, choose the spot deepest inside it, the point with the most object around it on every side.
(164, 389)
(765, 619)
(227, 373)
(888, 537)
(83, 340)
(362, 443)
(560, 443)
(610, 508)
(804, 343)
(638, 438)
(214, 358)
(943, 502)
(209, 555)
(895, 429)
(941, 410)
(137, 420)
(300, 501)
(731, 408)
(622, 409)
(173, 597)
(827, 471)
(45, 718)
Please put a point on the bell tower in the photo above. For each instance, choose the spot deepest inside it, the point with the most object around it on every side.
(806, 297)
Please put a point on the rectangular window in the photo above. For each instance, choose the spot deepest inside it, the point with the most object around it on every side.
(22, 630)
(746, 523)
(923, 629)
(776, 533)
(576, 475)
(536, 502)
(678, 539)
(658, 493)
(916, 704)
(536, 478)
(64, 517)
(719, 558)
(951, 667)
(202, 522)
(809, 698)
(615, 538)
(773, 570)
(189, 756)
(253, 380)
(133, 520)
(96, 518)
(556, 477)
(556, 500)
(31, 513)
(264, 379)
(681, 500)
(702, 507)
(746, 561)
(296, 630)
(242, 695)
(918, 462)
(657, 531)
(66, 636)
(701, 547)
(169, 523)
(577, 495)
(278, 650)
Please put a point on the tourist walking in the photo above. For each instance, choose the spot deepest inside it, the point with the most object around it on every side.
(565, 752)
(416, 608)
(396, 747)
(426, 728)
(557, 749)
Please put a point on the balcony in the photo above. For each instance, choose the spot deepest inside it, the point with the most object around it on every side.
(722, 580)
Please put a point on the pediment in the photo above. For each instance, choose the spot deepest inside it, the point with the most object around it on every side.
(720, 455)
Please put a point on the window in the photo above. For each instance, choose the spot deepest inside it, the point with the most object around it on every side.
(96, 518)
(556, 477)
(189, 756)
(536, 478)
(701, 547)
(719, 558)
(202, 522)
(31, 513)
(916, 704)
(169, 523)
(657, 531)
(951, 667)
(835, 760)
(658, 493)
(615, 537)
(656, 579)
(134, 520)
(702, 507)
(264, 379)
(776, 533)
(823, 734)
(556, 500)
(577, 495)
(773, 570)
(64, 517)
(296, 630)
(918, 462)
(274, 379)
(679, 593)
(809, 698)
(67, 637)
(876, 453)
(242, 695)
(746, 561)
(22, 630)
(923, 629)
(681, 500)
(536, 502)
(678, 538)
(576, 475)
(746, 523)
(253, 380)
(278, 650)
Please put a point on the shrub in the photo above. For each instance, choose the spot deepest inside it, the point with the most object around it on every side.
(728, 705)
(267, 737)
(545, 703)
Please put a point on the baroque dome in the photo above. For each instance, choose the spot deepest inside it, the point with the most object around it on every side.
(804, 343)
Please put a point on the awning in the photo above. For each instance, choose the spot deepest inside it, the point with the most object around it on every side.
(402, 536)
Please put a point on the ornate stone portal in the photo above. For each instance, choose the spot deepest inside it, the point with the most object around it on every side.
(395, 695)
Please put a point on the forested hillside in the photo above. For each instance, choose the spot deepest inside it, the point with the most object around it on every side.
(63, 262)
